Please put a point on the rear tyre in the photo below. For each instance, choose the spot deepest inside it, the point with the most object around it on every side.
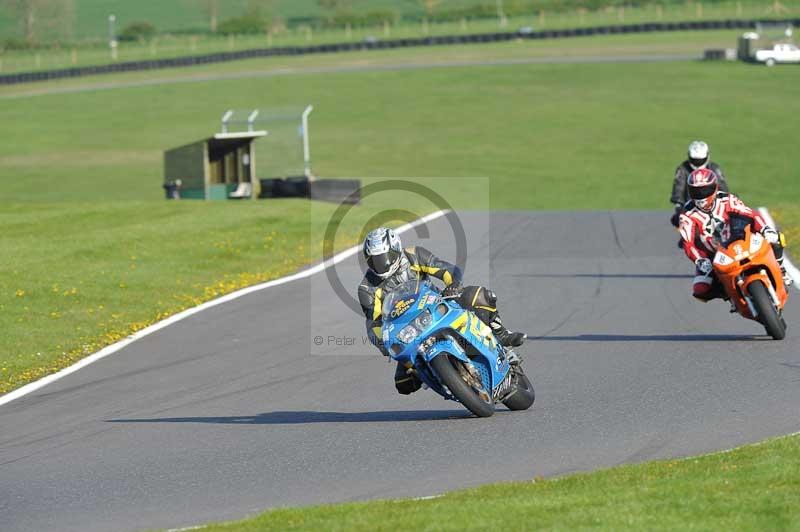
(449, 374)
(767, 313)
(770, 62)
(523, 396)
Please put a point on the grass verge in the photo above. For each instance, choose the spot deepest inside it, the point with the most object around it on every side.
(756, 487)
(788, 217)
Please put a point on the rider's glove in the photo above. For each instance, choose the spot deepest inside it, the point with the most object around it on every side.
(452, 290)
(771, 235)
(675, 220)
(703, 266)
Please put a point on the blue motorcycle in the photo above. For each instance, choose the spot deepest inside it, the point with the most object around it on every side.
(452, 351)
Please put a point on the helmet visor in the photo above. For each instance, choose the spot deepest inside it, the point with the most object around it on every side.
(698, 193)
(383, 262)
(697, 163)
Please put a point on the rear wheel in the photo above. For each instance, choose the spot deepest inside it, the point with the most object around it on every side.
(767, 313)
(463, 385)
(523, 395)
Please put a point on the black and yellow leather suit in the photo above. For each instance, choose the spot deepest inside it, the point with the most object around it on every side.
(419, 263)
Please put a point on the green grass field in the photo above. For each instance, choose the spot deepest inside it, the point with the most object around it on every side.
(90, 16)
(182, 15)
(166, 14)
(752, 488)
(92, 252)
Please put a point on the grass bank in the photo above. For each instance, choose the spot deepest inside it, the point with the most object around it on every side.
(756, 487)
(90, 250)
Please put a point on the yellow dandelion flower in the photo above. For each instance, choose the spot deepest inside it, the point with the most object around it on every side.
(20, 293)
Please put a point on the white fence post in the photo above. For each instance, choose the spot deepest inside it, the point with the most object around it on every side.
(306, 146)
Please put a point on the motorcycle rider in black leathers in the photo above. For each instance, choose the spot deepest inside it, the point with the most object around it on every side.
(698, 157)
(389, 265)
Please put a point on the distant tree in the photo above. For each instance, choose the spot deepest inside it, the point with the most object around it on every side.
(261, 8)
(429, 6)
(335, 5)
(211, 10)
(43, 19)
(339, 12)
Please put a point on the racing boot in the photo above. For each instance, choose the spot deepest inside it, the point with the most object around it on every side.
(787, 279)
(504, 336)
(777, 248)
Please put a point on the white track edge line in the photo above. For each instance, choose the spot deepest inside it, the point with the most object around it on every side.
(791, 269)
(113, 348)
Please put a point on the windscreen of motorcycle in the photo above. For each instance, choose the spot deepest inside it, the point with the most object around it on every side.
(401, 299)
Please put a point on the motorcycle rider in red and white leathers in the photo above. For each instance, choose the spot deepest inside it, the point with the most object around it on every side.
(706, 213)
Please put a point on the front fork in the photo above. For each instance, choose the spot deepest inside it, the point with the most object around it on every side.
(746, 295)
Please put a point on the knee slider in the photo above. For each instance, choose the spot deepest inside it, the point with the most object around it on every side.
(701, 289)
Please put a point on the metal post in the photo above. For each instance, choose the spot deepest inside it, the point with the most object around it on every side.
(501, 15)
(112, 36)
(251, 119)
(225, 118)
(306, 148)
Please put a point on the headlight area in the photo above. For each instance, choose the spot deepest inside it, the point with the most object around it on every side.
(756, 241)
(410, 332)
(722, 259)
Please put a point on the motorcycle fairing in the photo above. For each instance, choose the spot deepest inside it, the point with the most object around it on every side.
(453, 330)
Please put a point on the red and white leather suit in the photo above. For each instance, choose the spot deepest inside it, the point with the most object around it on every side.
(697, 230)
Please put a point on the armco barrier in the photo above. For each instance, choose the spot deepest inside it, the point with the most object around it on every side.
(439, 40)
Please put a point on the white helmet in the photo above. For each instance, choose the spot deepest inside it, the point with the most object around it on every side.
(383, 251)
(698, 154)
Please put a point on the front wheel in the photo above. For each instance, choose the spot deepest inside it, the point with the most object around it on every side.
(523, 395)
(454, 375)
(767, 313)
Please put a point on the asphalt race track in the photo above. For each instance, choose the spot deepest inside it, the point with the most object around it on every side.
(235, 410)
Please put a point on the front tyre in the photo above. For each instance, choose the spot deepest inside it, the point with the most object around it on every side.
(767, 313)
(452, 373)
(523, 395)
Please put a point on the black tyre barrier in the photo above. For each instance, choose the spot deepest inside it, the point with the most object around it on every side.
(440, 40)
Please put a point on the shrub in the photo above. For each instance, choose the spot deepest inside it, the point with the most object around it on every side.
(243, 25)
(13, 43)
(369, 18)
(137, 31)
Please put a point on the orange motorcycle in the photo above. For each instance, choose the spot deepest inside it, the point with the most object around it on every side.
(749, 272)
